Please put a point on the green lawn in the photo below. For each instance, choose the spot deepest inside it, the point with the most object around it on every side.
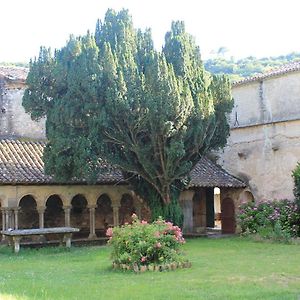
(222, 269)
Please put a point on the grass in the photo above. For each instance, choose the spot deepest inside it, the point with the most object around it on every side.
(222, 269)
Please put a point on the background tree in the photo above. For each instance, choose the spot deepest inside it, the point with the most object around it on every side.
(114, 97)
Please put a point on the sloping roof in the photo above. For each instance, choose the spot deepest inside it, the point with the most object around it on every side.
(21, 163)
(288, 68)
(208, 174)
(14, 73)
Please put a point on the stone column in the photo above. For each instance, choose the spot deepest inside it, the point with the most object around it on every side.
(116, 208)
(3, 221)
(67, 210)
(139, 211)
(16, 213)
(186, 201)
(187, 209)
(92, 234)
(41, 211)
(7, 223)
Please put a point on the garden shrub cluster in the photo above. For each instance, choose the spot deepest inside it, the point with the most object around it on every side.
(296, 176)
(277, 220)
(142, 246)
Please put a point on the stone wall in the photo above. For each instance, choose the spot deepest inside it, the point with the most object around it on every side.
(264, 143)
(14, 122)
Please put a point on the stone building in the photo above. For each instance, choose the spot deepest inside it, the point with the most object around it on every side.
(264, 144)
(31, 199)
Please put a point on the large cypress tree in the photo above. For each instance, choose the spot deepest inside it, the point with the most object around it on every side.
(113, 97)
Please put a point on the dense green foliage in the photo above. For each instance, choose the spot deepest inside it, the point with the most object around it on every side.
(279, 220)
(296, 176)
(113, 96)
(14, 64)
(249, 66)
(232, 269)
(146, 246)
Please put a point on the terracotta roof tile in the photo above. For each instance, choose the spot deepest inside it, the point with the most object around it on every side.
(208, 174)
(288, 68)
(21, 163)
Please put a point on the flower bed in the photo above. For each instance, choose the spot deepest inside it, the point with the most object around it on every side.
(141, 246)
(270, 219)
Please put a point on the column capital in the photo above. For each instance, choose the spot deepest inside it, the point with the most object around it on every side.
(115, 205)
(92, 206)
(66, 207)
(41, 209)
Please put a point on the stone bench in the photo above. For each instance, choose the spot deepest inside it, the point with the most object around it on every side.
(14, 236)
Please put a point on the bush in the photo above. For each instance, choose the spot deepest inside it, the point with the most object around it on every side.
(270, 219)
(140, 246)
(296, 176)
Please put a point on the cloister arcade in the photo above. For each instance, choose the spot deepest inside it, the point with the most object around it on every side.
(92, 209)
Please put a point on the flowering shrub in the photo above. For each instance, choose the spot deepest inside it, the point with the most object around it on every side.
(270, 219)
(140, 246)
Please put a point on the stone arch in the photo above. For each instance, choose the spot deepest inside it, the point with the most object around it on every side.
(126, 209)
(103, 214)
(80, 215)
(54, 213)
(246, 197)
(228, 216)
(28, 214)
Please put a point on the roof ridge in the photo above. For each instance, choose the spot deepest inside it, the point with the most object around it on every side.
(280, 70)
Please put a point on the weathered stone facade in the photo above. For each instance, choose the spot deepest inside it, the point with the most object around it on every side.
(14, 122)
(264, 143)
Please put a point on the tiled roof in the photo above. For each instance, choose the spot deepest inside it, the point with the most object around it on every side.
(288, 68)
(14, 73)
(21, 163)
(208, 174)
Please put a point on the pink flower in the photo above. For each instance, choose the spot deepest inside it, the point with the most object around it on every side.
(143, 259)
(144, 222)
(109, 232)
(157, 234)
(158, 245)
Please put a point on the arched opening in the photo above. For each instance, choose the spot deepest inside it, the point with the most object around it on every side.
(126, 209)
(246, 197)
(80, 216)
(104, 215)
(54, 213)
(217, 207)
(228, 216)
(28, 214)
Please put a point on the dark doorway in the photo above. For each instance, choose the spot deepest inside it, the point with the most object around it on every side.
(54, 213)
(80, 217)
(228, 216)
(126, 209)
(28, 215)
(104, 215)
(210, 208)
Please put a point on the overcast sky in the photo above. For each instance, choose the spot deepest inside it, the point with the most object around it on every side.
(245, 27)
